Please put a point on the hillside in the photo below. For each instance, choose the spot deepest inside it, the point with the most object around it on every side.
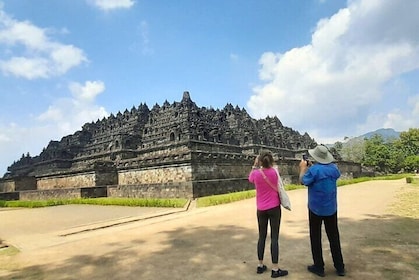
(386, 133)
(352, 148)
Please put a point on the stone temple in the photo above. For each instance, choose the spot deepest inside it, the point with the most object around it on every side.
(169, 151)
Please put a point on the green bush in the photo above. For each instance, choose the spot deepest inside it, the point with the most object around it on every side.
(343, 182)
(224, 198)
(413, 180)
(236, 196)
(291, 187)
(139, 202)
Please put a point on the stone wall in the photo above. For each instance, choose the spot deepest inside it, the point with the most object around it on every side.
(9, 195)
(66, 193)
(67, 181)
(7, 185)
(212, 166)
(156, 175)
(172, 154)
(50, 194)
(220, 186)
(94, 192)
(25, 183)
(164, 190)
(106, 177)
(220, 171)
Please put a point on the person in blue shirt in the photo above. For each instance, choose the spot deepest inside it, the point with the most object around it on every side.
(320, 179)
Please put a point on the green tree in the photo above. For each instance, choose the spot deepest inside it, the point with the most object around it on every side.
(376, 153)
(410, 141)
(392, 155)
(396, 157)
(411, 163)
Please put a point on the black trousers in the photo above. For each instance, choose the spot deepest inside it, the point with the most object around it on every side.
(273, 216)
(332, 231)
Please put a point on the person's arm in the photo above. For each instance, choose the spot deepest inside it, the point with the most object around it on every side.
(303, 169)
(337, 172)
(256, 163)
(254, 167)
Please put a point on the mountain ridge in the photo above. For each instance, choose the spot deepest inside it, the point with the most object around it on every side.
(386, 133)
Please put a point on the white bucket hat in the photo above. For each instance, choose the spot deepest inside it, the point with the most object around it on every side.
(321, 154)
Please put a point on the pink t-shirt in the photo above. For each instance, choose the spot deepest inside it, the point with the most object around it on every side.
(266, 196)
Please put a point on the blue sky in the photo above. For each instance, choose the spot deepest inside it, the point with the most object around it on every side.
(330, 68)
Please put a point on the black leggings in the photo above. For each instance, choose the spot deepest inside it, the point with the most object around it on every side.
(274, 217)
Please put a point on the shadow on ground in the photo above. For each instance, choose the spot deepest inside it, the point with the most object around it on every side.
(377, 247)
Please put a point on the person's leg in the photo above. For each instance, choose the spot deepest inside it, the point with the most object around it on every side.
(263, 230)
(332, 231)
(315, 223)
(275, 220)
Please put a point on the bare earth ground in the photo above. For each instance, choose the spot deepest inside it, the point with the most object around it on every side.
(219, 242)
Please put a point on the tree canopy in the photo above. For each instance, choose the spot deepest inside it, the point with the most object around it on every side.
(391, 156)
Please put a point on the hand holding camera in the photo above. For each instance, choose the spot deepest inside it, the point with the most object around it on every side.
(256, 163)
(305, 157)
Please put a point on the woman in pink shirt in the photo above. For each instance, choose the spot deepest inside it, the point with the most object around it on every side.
(264, 177)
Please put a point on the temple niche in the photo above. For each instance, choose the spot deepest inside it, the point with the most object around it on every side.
(172, 146)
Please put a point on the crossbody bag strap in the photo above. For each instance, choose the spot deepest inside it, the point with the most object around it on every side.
(267, 180)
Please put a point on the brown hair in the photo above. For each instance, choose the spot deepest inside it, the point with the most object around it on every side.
(266, 159)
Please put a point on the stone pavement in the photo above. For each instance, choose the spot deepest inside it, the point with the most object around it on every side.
(219, 242)
(30, 229)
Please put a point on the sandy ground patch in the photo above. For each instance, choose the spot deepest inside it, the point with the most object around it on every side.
(219, 242)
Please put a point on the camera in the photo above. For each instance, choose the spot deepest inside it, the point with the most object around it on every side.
(305, 157)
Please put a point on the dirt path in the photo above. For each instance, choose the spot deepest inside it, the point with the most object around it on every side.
(220, 243)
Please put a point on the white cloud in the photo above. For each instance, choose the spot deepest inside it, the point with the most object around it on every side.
(414, 101)
(88, 92)
(16, 140)
(69, 114)
(108, 5)
(144, 31)
(65, 57)
(31, 54)
(23, 32)
(29, 68)
(141, 43)
(333, 86)
(404, 119)
(63, 117)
